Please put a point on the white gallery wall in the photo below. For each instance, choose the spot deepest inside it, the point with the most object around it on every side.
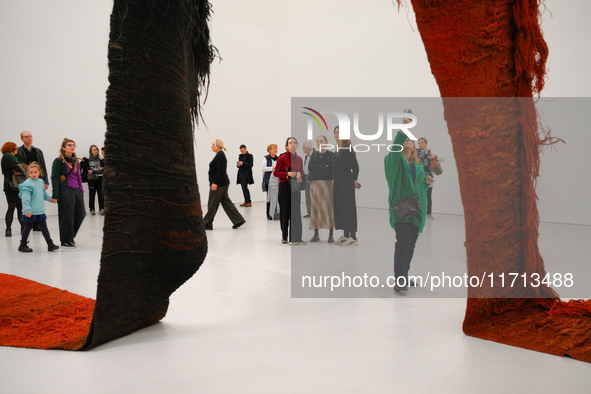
(53, 78)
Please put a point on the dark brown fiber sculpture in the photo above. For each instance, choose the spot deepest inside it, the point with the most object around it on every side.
(154, 238)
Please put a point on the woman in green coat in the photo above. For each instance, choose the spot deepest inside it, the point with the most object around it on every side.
(404, 171)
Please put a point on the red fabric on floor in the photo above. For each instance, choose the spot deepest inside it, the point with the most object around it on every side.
(38, 316)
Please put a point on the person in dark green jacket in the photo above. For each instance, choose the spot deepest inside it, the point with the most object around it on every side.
(404, 171)
(68, 191)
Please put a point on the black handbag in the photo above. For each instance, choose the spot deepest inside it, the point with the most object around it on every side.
(407, 207)
(296, 186)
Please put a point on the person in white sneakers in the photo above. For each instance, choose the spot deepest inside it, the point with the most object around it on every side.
(345, 173)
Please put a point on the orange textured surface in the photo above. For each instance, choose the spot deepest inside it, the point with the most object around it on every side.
(37, 316)
(495, 49)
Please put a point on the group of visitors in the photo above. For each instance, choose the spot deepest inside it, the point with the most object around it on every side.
(328, 178)
(26, 182)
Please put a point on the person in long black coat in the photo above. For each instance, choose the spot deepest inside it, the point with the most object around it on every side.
(345, 171)
(244, 177)
(10, 167)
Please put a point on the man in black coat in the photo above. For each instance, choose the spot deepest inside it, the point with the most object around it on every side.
(245, 178)
(27, 154)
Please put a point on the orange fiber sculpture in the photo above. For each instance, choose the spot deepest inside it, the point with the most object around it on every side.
(492, 54)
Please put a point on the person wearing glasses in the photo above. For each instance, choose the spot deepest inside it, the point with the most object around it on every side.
(28, 154)
(67, 189)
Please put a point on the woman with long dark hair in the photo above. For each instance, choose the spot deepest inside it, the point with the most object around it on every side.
(405, 175)
(290, 166)
(67, 189)
(345, 172)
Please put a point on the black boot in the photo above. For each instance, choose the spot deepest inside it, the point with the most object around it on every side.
(8, 233)
(51, 246)
(24, 248)
(315, 238)
(268, 208)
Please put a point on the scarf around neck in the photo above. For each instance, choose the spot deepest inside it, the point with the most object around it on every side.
(13, 157)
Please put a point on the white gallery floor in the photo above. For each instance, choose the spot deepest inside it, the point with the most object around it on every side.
(234, 327)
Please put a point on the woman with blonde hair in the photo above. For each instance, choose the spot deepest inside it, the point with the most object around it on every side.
(218, 189)
(67, 190)
(405, 175)
(271, 182)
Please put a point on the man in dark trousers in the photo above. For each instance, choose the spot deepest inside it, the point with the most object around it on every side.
(27, 154)
(245, 178)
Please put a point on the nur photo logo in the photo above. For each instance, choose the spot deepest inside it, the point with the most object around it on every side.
(391, 123)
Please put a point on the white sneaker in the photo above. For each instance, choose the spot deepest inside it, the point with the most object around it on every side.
(350, 242)
(429, 216)
(340, 240)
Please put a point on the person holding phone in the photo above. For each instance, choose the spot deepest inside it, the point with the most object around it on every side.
(405, 176)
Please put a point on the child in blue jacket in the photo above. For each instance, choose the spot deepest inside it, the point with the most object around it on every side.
(32, 193)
